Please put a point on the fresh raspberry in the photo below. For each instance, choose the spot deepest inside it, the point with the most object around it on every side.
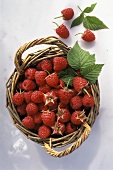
(42, 107)
(40, 77)
(27, 96)
(76, 102)
(59, 63)
(88, 36)
(78, 117)
(74, 92)
(30, 73)
(52, 80)
(79, 83)
(19, 85)
(46, 65)
(70, 128)
(22, 109)
(28, 122)
(28, 85)
(38, 67)
(65, 95)
(37, 118)
(67, 13)
(37, 96)
(31, 109)
(44, 131)
(62, 31)
(44, 88)
(63, 115)
(18, 98)
(60, 85)
(88, 100)
(48, 118)
(56, 91)
(50, 98)
(58, 128)
(54, 107)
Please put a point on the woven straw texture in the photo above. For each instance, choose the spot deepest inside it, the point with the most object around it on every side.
(55, 48)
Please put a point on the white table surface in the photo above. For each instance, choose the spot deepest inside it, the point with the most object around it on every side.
(26, 20)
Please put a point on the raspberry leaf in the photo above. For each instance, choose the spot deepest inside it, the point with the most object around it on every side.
(78, 20)
(89, 9)
(79, 58)
(67, 75)
(92, 72)
(93, 23)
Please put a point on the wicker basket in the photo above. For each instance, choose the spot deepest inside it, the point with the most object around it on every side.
(56, 47)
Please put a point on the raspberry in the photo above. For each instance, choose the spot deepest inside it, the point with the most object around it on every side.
(65, 95)
(39, 66)
(28, 85)
(31, 109)
(88, 101)
(48, 118)
(70, 128)
(30, 73)
(54, 106)
(79, 83)
(46, 65)
(58, 128)
(37, 96)
(78, 117)
(59, 63)
(22, 108)
(40, 77)
(18, 98)
(28, 122)
(44, 131)
(19, 85)
(67, 13)
(76, 102)
(88, 36)
(27, 96)
(44, 88)
(63, 115)
(60, 85)
(52, 80)
(62, 31)
(50, 98)
(37, 118)
(42, 107)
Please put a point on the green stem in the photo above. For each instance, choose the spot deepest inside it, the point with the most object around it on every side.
(56, 24)
(81, 10)
(59, 17)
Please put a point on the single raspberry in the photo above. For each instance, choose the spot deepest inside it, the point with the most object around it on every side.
(60, 85)
(37, 118)
(30, 73)
(42, 107)
(40, 77)
(22, 109)
(38, 67)
(48, 118)
(59, 63)
(88, 36)
(37, 96)
(79, 83)
(18, 98)
(67, 14)
(56, 91)
(28, 122)
(19, 85)
(58, 128)
(50, 98)
(44, 88)
(76, 102)
(65, 95)
(88, 100)
(28, 85)
(27, 96)
(44, 131)
(54, 107)
(31, 109)
(78, 117)
(46, 65)
(70, 128)
(52, 80)
(63, 115)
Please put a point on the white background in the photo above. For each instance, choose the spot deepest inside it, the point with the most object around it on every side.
(26, 20)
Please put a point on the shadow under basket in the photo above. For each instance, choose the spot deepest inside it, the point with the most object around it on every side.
(55, 47)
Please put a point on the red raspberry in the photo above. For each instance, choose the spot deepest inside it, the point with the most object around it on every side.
(28, 122)
(28, 85)
(67, 13)
(37, 96)
(78, 117)
(44, 131)
(46, 65)
(76, 102)
(62, 31)
(50, 98)
(44, 88)
(18, 98)
(22, 108)
(63, 115)
(31, 109)
(88, 100)
(88, 36)
(37, 118)
(65, 95)
(30, 73)
(42, 107)
(59, 63)
(70, 128)
(54, 106)
(27, 96)
(58, 128)
(60, 85)
(40, 77)
(79, 83)
(52, 80)
(48, 118)
(19, 85)
(39, 66)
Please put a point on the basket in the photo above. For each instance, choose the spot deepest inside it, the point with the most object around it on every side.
(56, 48)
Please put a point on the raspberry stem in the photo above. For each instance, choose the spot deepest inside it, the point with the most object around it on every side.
(56, 24)
(59, 17)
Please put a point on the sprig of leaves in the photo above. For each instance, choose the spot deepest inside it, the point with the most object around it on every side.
(89, 22)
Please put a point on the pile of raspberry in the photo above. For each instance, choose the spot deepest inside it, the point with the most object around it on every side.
(46, 105)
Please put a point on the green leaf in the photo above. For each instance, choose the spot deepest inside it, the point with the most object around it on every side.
(67, 75)
(93, 23)
(89, 9)
(79, 58)
(92, 72)
(78, 20)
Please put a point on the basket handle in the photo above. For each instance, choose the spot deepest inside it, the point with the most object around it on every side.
(51, 40)
(74, 146)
